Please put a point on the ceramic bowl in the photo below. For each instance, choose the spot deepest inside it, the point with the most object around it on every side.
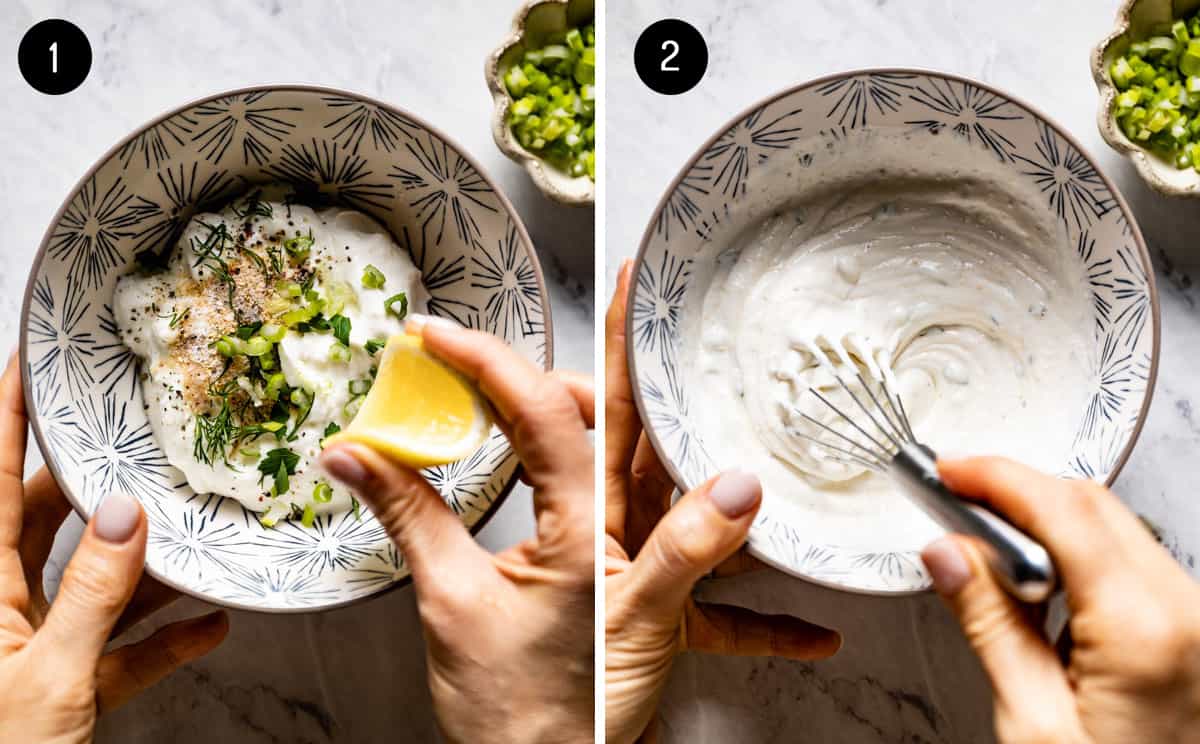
(1138, 19)
(707, 203)
(536, 20)
(82, 386)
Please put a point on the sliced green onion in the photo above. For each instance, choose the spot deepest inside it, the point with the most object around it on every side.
(339, 352)
(228, 346)
(554, 101)
(299, 245)
(359, 387)
(275, 385)
(304, 314)
(397, 305)
(373, 278)
(351, 408)
(1158, 106)
(272, 332)
(257, 346)
(290, 289)
(309, 516)
(337, 296)
(322, 492)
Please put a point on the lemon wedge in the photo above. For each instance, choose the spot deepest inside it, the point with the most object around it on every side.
(418, 411)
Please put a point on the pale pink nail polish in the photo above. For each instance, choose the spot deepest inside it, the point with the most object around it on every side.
(735, 493)
(117, 518)
(947, 566)
(345, 467)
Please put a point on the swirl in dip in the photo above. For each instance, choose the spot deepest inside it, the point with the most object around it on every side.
(258, 336)
(928, 255)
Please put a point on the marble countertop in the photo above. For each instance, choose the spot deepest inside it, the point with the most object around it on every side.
(905, 674)
(351, 675)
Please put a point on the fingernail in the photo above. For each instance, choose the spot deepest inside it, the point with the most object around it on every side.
(735, 493)
(117, 518)
(947, 566)
(626, 270)
(345, 467)
(417, 323)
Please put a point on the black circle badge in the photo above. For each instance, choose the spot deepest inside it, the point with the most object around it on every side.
(670, 56)
(55, 57)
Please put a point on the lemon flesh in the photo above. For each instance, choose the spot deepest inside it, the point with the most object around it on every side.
(419, 411)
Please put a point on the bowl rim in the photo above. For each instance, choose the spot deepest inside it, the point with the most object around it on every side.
(39, 257)
(535, 167)
(648, 236)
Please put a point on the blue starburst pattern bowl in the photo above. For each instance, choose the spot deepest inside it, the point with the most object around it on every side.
(81, 384)
(707, 203)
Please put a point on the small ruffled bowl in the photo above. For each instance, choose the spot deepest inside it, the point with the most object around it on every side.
(535, 21)
(1138, 19)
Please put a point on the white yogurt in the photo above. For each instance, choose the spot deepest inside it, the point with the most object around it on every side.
(177, 363)
(943, 263)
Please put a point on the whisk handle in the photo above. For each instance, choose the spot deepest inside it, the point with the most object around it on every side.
(1018, 561)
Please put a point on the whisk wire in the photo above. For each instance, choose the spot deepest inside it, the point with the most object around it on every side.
(899, 432)
(892, 424)
(872, 464)
(880, 445)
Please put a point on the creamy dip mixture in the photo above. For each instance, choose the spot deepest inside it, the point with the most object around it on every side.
(943, 265)
(258, 336)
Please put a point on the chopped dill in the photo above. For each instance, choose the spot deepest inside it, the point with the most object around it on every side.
(254, 206)
(211, 255)
(216, 432)
(177, 317)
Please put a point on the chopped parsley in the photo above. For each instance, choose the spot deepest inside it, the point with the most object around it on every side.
(330, 430)
(279, 463)
(341, 328)
(374, 345)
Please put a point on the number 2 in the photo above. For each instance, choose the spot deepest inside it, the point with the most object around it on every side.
(54, 58)
(674, 45)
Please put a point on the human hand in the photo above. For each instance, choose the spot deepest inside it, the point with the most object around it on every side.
(655, 553)
(509, 638)
(1134, 671)
(55, 678)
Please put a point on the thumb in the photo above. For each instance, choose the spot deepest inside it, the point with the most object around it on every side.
(1030, 685)
(97, 584)
(430, 536)
(704, 528)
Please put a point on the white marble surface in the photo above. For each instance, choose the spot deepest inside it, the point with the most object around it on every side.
(352, 675)
(905, 674)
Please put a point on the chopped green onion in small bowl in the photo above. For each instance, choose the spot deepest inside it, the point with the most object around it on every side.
(1147, 71)
(554, 94)
(543, 83)
(1159, 103)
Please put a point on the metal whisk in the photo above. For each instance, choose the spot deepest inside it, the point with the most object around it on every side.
(887, 445)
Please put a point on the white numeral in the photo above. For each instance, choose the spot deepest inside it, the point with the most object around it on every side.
(54, 58)
(674, 45)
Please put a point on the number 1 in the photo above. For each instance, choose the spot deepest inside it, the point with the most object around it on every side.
(54, 58)
(674, 52)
